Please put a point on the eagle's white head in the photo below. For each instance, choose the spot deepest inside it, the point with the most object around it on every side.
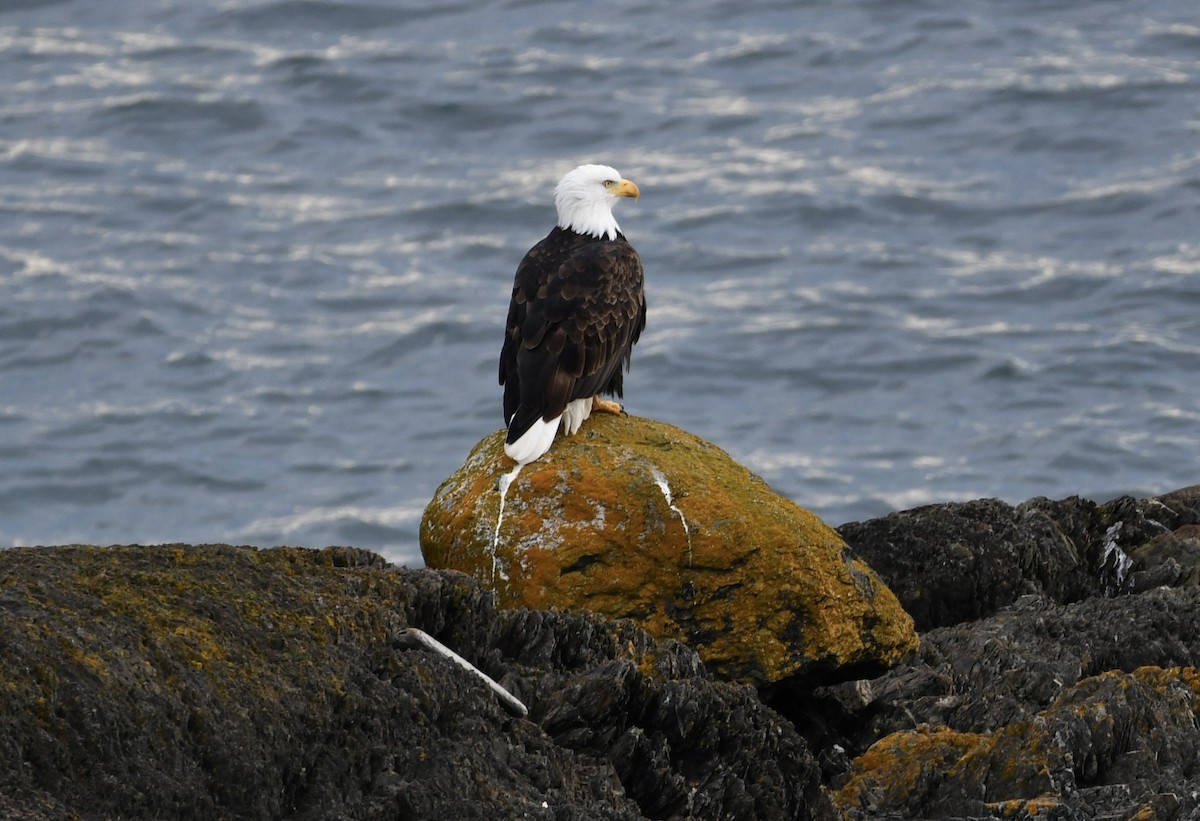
(585, 198)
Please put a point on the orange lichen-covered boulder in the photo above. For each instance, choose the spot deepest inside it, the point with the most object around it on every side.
(635, 518)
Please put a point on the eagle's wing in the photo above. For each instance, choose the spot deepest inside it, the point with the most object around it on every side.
(571, 326)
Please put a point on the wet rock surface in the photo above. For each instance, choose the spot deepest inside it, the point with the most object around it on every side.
(208, 682)
(638, 519)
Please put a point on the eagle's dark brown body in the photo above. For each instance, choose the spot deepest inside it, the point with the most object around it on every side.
(578, 305)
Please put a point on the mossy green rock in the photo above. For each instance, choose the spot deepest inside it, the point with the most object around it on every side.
(636, 518)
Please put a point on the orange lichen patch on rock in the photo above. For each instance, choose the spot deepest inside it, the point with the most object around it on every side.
(900, 770)
(1018, 761)
(1164, 679)
(635, 518)
(912, 769)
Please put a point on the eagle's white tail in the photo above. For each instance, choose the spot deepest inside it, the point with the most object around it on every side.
(533, 442)
(540, 436)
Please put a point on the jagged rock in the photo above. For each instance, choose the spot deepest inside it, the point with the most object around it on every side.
(1004, 691)
(1135, 731)
(979, 677)
(635, 518)
(1140, 520)
(958, 562)
(1171, 559)
(207, 682)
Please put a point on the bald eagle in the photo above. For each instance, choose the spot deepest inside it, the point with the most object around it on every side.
(578, 305)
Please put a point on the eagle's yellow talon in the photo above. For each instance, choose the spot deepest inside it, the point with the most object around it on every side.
(607, 406)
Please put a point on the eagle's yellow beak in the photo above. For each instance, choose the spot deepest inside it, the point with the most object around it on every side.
(627, 188)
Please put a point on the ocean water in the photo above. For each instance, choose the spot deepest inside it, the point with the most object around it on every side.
(255, 256)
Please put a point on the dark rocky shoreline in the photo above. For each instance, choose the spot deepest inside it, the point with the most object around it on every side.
(215, 681)
(1055, 678)
(1057, 671)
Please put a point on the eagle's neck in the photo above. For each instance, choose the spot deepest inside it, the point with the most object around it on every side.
(591, 217)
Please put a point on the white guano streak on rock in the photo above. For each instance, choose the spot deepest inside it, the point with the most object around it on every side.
(661, 480)
(1121, 561)
(505, 482)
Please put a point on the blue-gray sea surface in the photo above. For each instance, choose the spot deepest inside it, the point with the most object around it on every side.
(255, 257)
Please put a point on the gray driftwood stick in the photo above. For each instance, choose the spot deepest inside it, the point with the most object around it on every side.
(411, 635)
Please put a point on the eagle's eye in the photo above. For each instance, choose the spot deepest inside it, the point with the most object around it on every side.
(609, 183)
